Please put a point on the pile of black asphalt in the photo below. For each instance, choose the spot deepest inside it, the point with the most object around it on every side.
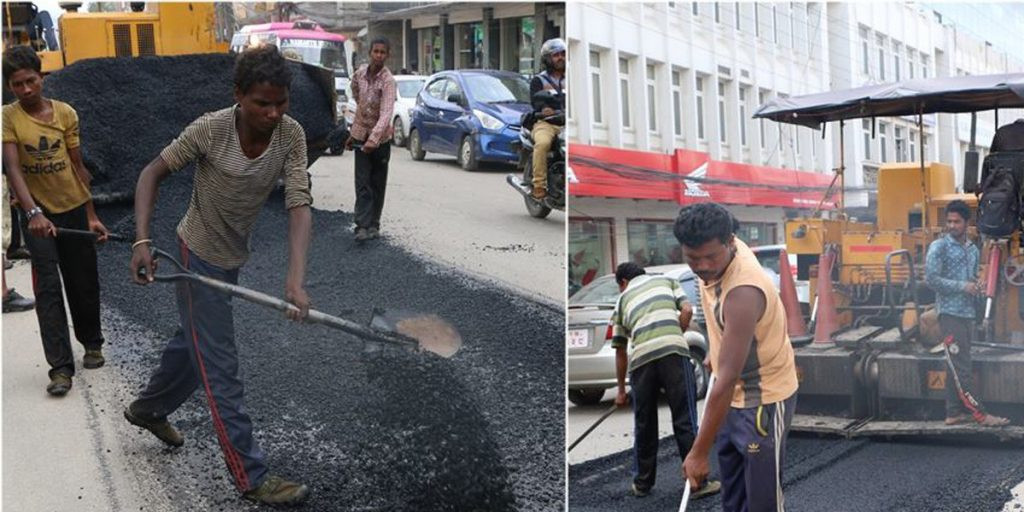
(366, 427)
(822, 473)
(131, 108)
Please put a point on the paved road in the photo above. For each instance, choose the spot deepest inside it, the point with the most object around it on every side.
(368, 428)
(875, 474)
(470, 220)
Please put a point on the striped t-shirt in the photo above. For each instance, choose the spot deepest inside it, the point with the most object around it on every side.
(230, 188)
(648, 313)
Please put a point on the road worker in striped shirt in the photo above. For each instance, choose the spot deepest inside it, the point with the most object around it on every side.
(653, 314)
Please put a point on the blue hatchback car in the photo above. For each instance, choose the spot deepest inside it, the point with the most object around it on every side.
(472, 114)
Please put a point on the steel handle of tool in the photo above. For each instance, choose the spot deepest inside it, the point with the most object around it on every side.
(270, 301)
(704, 407)
(586, 433)
(65, 232)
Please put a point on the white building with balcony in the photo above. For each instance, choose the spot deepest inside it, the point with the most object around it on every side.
(681, 80)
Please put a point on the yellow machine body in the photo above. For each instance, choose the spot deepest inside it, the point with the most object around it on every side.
(171, 29)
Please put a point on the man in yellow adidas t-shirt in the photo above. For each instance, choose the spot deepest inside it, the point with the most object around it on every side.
(45, 169)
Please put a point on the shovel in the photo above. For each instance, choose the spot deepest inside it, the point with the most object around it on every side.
(419, 333)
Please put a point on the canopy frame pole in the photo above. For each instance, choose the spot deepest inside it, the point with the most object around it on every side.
(924, 174)
(842, 170)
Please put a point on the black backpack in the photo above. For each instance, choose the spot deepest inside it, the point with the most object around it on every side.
(999, 207)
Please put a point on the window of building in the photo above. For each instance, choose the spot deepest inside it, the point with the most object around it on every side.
(762, 98)
(882, 153)
(700, 107)
(721, 113)
(627, 120)
(796, 142)
(880, 41)
(775, 24)
(677, 102)
(924, 65)
(470, 38)
(910, 62)
(897, 51)
(757, 20)
(696, 8)
(867, 138)
(758, 233)
(718, 12)
(901, 143)
(792, 25)
(652, 104)
(736, 14)
(743, 116)
(865, 51)
(591, 250)
(913, 145)
(595, 83)
(651, 242)
(527, 32)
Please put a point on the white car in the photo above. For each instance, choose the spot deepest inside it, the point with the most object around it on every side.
(408, 86)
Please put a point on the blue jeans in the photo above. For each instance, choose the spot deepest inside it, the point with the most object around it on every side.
(202, 352)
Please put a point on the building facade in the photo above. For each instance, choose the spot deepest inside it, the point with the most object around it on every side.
(675, 78)
(466, 35)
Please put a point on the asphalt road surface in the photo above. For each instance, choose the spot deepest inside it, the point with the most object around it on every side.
(832, 474)
(367, 427)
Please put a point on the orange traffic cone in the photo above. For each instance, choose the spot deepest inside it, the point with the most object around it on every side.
(787, 290)
(827, 321)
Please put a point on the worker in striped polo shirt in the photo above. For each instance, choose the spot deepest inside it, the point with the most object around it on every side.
(652, 312)
(240, 153)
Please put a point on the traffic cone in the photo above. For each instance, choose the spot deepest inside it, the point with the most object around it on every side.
(787, 290)
(827, 321)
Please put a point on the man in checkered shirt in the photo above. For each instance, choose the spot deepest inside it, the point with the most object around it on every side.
(951, 270)
(373, 88)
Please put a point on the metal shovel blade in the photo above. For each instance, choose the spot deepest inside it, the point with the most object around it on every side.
(433, 333)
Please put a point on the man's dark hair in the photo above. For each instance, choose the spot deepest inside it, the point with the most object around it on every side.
(960, 207)
(262, 64)
(698, 224)
(628, 270)
(381, 40)
(17, 58)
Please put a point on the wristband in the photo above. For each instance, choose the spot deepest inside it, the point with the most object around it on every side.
(32, 212)
(140, 242)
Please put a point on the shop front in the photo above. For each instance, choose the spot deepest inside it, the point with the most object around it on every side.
(624, 204)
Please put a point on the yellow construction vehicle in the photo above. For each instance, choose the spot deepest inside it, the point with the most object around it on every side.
(163, 28)
(867, 370)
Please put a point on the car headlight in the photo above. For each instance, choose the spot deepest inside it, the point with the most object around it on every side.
(490, 122)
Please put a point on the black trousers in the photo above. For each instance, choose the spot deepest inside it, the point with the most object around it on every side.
(960, 329)
(371, 181)
(74, 260)
(674, 374)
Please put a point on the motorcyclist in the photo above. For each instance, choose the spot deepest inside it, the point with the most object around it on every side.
(545, 131)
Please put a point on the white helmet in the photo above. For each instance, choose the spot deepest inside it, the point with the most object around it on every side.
(552, 46)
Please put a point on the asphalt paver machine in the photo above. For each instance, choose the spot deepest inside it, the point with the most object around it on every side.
(868, 370)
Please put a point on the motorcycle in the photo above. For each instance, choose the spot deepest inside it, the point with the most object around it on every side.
(523, 181)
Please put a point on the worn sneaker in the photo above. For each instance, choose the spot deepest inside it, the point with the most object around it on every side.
(59, 385)
(277, 491)
(710, 487)
(159, 428)
(93, 359)
(20, 253)
(991, 420)
(362, 235)
(373, 233)
(14, 302)
(638, 492)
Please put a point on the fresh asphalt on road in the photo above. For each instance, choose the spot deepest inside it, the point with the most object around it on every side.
(368, 428)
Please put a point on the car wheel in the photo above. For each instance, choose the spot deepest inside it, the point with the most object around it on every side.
(467, 154)
(399, 137)
(586, 396)
(415, 145)
(700, 373)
